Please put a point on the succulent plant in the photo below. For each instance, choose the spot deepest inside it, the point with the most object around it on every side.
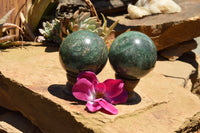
(81, 21)
(58, 29)
(51, 31)
(84, 21)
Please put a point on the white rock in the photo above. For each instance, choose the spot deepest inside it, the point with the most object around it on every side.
(149, 7)
(137, 12)
(164, 6)
(142, 3)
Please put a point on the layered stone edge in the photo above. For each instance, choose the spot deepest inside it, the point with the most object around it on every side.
(63, 119)
(55, 120)
(190, 125)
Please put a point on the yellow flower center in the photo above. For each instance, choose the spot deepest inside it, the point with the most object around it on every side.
(99, 95)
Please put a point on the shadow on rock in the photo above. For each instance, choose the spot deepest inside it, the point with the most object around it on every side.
(51, 49)
(61, 91)
(190, 57)
(18, 122)
(136, 99)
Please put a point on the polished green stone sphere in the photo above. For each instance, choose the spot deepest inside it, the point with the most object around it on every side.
(132, 55)
(83, 51)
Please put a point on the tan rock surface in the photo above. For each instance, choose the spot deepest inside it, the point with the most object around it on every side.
(160, 105)
(166, 29)
(183, 71)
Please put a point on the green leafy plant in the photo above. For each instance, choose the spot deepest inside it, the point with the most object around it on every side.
(106, 31)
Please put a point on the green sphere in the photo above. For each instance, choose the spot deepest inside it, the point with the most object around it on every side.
(83, 51)
(132, 55)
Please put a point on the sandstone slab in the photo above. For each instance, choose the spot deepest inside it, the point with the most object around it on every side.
(112, 6)
(33, 82)
(14, 122)
(178, 71)
(174, 52)
(166, 29)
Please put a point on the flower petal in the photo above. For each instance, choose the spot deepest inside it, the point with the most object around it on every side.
(113, 87)
(100, 88)
(107, 106)
(83, 90)
(122, 98)
(89, 76)
(93, 106)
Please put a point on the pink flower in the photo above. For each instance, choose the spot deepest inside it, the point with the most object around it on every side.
(99, 95)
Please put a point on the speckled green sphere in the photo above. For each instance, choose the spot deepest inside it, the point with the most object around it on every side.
(83, 51)
(132, 55)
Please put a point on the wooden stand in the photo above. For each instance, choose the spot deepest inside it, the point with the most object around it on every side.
(71, 80)
(129, 85)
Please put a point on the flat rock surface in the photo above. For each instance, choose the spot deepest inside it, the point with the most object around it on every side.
(33, 82)
(166, 29)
